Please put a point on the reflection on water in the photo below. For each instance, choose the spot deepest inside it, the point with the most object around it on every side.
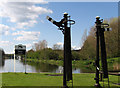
(7, 65)
(32, 67)
(43, 67)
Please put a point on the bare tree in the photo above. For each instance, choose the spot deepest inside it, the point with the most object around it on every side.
(57, 47)
(35, 47)
(40, 45)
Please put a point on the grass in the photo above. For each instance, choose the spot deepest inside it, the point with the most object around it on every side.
(42, 79)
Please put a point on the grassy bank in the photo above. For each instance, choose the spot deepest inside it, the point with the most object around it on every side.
(85, 66)
(82, 64)
(43, 79)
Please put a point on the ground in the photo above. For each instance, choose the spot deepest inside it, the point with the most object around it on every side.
(45, 80)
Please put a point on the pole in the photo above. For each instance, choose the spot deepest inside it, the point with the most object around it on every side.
(65, 59)
(25, 63)
(67, 63)
(68, 55)
(97, 51)
(103, 54)
(97, 59)
(14, 62)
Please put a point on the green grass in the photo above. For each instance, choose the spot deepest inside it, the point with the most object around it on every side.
(41, 79)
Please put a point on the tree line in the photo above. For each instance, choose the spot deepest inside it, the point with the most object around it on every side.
(88, 49)
(40, 50)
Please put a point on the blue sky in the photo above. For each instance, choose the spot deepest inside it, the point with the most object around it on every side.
(26, 23)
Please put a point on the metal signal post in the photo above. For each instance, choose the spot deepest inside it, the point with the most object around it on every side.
(63, 26)
(100, 28)
(98, 22)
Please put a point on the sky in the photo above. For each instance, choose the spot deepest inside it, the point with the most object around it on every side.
(25, 22)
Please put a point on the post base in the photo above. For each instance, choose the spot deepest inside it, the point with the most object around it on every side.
(98, 85)
(26, 73)
(64, 87)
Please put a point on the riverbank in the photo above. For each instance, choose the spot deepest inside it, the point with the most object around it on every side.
(50, 80)
(85, 65)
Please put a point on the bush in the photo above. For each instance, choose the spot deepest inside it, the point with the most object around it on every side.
(53, 55)
(75, 56)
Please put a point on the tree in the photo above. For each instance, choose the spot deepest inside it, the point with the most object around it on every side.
(40, 45)
(2, 57)
(53, 55)
(111, 38)
(57, 47)
(75, 55)
(35, 47)
(31, 50)
(88, 49)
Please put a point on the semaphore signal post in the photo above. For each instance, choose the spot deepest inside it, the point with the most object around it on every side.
(100, 29)
(65, 25)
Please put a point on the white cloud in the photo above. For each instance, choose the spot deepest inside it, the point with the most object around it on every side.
(60, 43)
(9, 52)
(75, 48)
(28, 45)
(5, 43)
(4, 29)
(35, 1)
(27, 35)
(24, 14)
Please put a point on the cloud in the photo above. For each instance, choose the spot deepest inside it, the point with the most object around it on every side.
(27, 35)
(60, 43)
(5, 43)
(4, 29)
(35, 1)
(75, 48)
(28, 45)
(24, 14)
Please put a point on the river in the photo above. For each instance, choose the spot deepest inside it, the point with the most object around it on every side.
(8, 66)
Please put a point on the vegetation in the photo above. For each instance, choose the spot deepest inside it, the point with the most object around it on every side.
(88, 50)
(2, 53)
(84, 65)
(2, 56)
(44, 79)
